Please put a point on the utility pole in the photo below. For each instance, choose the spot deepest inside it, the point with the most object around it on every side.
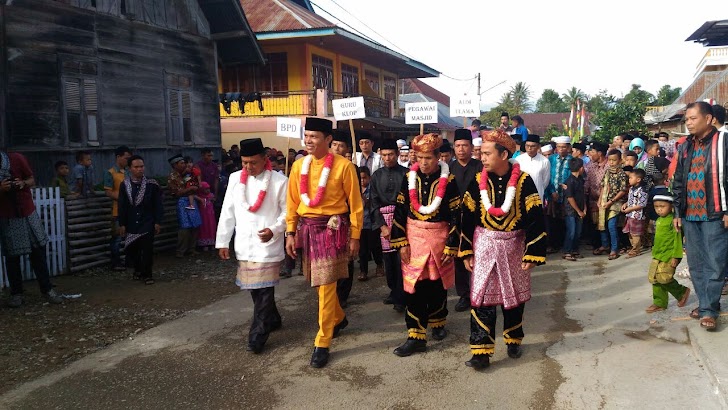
(478, 83)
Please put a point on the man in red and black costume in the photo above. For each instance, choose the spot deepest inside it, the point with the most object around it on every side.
(503, 238)
(425, 232)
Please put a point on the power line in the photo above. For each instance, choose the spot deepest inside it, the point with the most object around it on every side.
(377, 33)
(365, 25)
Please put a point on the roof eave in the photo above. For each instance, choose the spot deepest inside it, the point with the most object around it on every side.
(331, 31)
(408, 61)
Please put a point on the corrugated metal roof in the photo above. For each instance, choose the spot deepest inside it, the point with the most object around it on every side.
(227, 17)
(281, 15)
(711, 33)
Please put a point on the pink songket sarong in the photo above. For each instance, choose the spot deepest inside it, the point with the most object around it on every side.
(498, 278)
(427, 244)
(388, 214)
(325, 249)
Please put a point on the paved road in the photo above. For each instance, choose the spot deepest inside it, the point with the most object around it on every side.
(588, 345)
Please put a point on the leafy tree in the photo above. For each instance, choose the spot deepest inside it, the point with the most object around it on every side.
(553, 131)
(667, 95)
(625, 114)
(520, 96)
(638, 96)
(601, 102)
(572, 95)
(550, 101)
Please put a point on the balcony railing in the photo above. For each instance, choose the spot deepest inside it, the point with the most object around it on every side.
(268, 104)
(375, 107)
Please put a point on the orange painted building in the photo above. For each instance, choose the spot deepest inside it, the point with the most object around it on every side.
(310, 61)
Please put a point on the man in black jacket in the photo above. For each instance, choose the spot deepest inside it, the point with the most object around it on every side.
(700, 187)
(140, 218)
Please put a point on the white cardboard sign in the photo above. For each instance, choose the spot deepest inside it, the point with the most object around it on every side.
(349, 108)
(465, 106)
(421, 113)
(288, 127)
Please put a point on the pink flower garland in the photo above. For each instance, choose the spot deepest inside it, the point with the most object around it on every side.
(426, 210)
(328, 163)
(510, 192)
(261, 195)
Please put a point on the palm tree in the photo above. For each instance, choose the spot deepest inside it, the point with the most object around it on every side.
(521, 95)
(572, 95)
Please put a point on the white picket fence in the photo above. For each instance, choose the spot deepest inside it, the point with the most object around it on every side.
(51, 209)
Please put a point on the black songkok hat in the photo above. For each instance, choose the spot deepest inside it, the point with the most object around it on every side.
(319, 124)
(531, 138)
(363, 135)
(389, 143)
(463, 134)
(175, 159)
(580, 146)
(445, 147)
(342, 136)
(251, 146)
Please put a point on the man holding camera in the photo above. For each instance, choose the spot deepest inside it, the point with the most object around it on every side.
(21, 230)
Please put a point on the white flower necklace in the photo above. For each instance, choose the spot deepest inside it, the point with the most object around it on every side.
(261, 195)
(412, 186)
(510, 192)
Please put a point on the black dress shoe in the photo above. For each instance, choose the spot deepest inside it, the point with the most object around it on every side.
(256, 348)
(389, 300)
(479, 361)
(320, 357)
(514, 351)
(341, 326)
(463, 304)
(399, 308)
(411, 346)
(439, 333)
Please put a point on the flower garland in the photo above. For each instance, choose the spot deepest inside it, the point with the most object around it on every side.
(305, 166)
(510, 192)
(261, 195)
(412, 185)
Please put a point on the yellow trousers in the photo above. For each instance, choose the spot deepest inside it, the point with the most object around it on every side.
(330, 314)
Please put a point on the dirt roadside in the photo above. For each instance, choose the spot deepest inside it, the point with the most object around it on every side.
(39, 338)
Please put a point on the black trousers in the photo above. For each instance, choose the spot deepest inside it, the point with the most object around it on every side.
(482, 328)
(557, 231)
(462, 279)
(140, 254)
(343, 286)
(265, 315)
(427, 306)
(370, 247)
(393, 271)
(40, 268)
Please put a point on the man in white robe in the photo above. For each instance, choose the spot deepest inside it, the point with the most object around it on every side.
(254, 209)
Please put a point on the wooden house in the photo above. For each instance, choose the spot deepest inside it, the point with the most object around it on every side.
(96, 74)
(311, 61)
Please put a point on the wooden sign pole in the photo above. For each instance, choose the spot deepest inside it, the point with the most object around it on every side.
(465, 122)
(353, 141)
(288, 148)
(422, 129)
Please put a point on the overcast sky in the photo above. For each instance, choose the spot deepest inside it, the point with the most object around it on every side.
(546, 44)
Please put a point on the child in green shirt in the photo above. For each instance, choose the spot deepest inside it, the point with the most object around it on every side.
(62, 171)
(667, 252)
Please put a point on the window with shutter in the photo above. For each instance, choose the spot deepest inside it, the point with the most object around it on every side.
(72, 99)
(179, 104)
(80, 102)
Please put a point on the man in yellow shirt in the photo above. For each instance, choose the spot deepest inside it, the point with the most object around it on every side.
(323, 190)
(113, 177)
